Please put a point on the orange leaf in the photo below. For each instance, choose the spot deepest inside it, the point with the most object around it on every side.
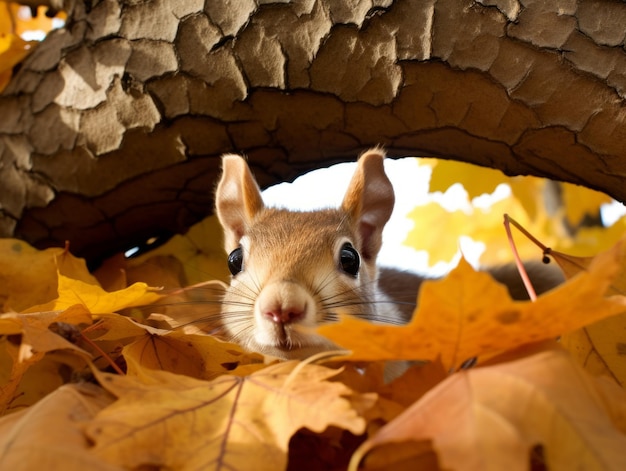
(468, 314)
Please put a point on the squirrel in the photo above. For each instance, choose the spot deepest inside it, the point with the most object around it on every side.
(294, 270)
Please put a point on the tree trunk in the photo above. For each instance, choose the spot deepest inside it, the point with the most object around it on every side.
(112, 129)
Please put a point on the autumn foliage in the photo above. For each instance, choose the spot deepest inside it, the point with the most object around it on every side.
(122, 393)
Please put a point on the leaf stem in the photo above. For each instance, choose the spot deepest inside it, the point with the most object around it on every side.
(520, 266)
(114, 365)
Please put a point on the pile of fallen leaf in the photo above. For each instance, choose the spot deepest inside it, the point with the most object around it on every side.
(94, 376)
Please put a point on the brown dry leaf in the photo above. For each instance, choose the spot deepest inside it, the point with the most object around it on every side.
(195, 355)
(601, 347)
(490, 418)
(27, 276)
(572, 265)
(13, 365)
(614, 401)
(198, 304)
(48, 436)
(111, 274)
(468, 314)
(26, 338)
(176, 422)
(35, 330)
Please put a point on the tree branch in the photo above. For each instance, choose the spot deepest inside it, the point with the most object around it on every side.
(112, 129)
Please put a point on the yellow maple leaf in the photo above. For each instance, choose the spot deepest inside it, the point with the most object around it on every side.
(528, 191)
(28, 276)
(437, 231)
(200, 252)
(95, 299)
(468, 314)
(475, 179)
(591, 239)
(172, 421)
(580, 201)
(492, 417)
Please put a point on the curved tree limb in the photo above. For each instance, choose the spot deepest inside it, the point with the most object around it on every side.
(112, 127)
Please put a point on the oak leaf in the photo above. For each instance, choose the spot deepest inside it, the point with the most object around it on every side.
(468, 314)
(165, 420)
(490, 418)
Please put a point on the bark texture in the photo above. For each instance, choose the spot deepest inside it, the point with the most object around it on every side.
(112, 129)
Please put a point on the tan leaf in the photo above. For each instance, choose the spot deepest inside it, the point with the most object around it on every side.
(491, 418)
(26, 338)
(177, 422)
(198, 356)
(49, 434)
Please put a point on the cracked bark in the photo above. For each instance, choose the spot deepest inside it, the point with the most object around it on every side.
(111, 131)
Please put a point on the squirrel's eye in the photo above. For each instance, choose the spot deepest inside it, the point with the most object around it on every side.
(349, 259)
(235, 261)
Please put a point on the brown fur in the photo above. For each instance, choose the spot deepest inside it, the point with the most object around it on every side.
(292, 280)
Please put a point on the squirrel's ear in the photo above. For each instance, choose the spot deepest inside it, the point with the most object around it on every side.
(237, 199)
(369, 201)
